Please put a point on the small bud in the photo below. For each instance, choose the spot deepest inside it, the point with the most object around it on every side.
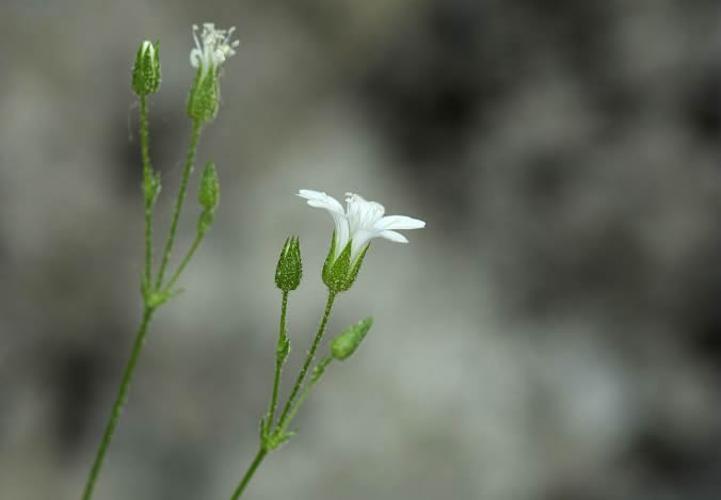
(209, 192)
(289, 270)
(146, 70)
(348, 341)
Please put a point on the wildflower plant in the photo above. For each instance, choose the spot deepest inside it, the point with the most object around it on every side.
(355, 226)
(211, 50)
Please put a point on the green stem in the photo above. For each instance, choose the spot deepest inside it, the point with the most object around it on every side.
(308, 359)
(196, 243)
(118, 405)
(187, 170)
(306, 392)
(147, 180)
(279, 360)
(249, 473)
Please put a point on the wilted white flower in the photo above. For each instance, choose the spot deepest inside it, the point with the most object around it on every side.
(361, 221)
(212, 48)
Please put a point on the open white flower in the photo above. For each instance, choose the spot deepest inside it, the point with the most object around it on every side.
(212, 48)
(361, 221)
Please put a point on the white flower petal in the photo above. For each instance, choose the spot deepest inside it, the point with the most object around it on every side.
(399, 222)
(212, 48)
(361, 221)
(393, 236)
(319, 199)
(360, 240)
(362, 213)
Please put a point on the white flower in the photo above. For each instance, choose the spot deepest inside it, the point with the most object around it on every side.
(213, 47)
(361, 221)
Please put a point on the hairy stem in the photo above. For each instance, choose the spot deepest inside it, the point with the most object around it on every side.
(308, 360)
(147, 180)
(249, 473)
(118, 405)
(184, 263)
(187, 170)
(306, 392)
(279, 360)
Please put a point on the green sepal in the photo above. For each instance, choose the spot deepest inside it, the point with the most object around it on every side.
(339, 272)
(204, 96)
(328, 263)
(336, 277)
(146, 70)
(345, 344)
(355, 268)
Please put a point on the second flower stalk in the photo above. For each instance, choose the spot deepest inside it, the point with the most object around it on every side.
(289, 271)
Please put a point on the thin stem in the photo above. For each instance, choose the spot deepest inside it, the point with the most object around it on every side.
(187, 170)
(184, 263)
(279, 360)
(306, 392)
(118, 405)
(147, 179)
(308, 359)
(249, 473)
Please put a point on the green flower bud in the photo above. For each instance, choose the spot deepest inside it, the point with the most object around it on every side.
(289, 271)
(348, 341)
(146, 70)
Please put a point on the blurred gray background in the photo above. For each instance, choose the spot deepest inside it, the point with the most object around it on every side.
(553, 334)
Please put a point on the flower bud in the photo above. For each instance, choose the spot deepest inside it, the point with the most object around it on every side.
(348, 341)
(146, 70)
(290, 267)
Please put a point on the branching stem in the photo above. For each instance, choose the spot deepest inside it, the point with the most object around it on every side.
(187, 170)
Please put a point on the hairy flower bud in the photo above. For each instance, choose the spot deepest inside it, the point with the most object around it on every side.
(289, 271)
(348, 341)
(146, 70)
